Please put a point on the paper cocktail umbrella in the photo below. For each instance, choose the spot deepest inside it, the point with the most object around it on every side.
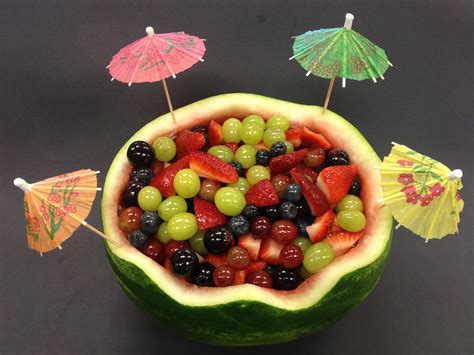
(156, 57)
(56, 207)
(339, 52)
(421, 193)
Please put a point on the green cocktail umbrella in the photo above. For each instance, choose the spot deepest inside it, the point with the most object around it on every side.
(339, 52)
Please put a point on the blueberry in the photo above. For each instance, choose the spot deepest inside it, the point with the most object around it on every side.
(130, 195)
(218, 240)
(142, 176)
(250, 211)
(140, 154)
(200, 129)
(149, 222)
(263, 157)
(293, 192)
(285, 279)
(270, 269)
(138, 239)
(288, 210)
(278, 148)
(184, 262)
(355, 187)
(203, 275)
(272, 212)
(239, 225)
(337, 157)
(303, 209)
(238, 167)
(301, 224)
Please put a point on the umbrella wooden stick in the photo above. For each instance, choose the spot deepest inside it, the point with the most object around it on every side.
(328, 94)
(168, 99)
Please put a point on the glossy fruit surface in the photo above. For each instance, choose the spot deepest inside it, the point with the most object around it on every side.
(231, 130)
(280, 182)
(165, 149)
(284, 231)
(137, 239)
(171, 206)
(260, 278)
(149, 198)
(288, 210)
(351, 221)
(261, 226)
(229, 201)
(315, 157)
(154, 250)
(351, 203)
(237, 167)
(293, 192)
(174, 245)
(140, 154)
(303, 243)
(285, 279)
(318, 256)
(208, 189)
(257, 173)
(203, 275)
(238, 258)
(251, 133)
(142, 175)
(218, 240)
(222, 152)
(242, 185)
(273, 135)
(291, 256)
(245, 155)
(162, 233)
(355, 187)
(182, 226)
(278, 122)
(129, 219)
(301, 224)
(149, 222)
(186, 183)
(130, 195)
(289, 147)
(184, 263)
(263, 157)
(254, 119)
(278, 148)
(272, 212)
(337, 157)
(238, 225)
(223, 276)
(250, 211)
(197, 243)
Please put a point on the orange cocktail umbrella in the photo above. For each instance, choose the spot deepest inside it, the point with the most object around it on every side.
(56, 207)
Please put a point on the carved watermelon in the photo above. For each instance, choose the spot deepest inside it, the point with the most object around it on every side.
(247, 314)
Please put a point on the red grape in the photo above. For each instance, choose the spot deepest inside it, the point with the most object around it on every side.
(129, 219)
(208, 189)
(284, 231)
(174, 245)
(261, 226)
(155, 250)
(291, 256)
(280, 182)
(315, 157)
(238, 258)
(223, 276)
(260, 278)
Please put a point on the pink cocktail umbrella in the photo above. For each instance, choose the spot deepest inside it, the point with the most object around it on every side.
(156, 57)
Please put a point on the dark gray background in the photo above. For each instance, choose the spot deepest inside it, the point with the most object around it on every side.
(59, 112)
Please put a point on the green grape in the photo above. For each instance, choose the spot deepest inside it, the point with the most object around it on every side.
(278, 122)
(289, 147)
(273, 135)
(149, 199)
(318, 256)
(351, 221)
(229, 201)
(182, 226)
(186, 183)
(171, 206)
(257, 173)
(242, 185)
(254, 119)
(305, 274)
(222, 152)
(165, 149)
(231, 130)
(245, 155)
(197, 243)
(162, 234)
(303, 242)
(350, 203)
(251, 133)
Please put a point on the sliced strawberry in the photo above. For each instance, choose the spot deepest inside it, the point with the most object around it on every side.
(342, 242)
(308, 172)
(293, 136)
(261, 194)
(252, 244)
(311, 139)
(211, 167)
(240, 276)
(315, 198)
(207, 214)
(216, 260)
(156, 167)
(284, 162)
(166, 264)
(257, 265)
(321, 226)
(270, 251)
(233, 146)
(214, 134)
(335, 181)
(187, 141)
(164, 180)
(335, 228)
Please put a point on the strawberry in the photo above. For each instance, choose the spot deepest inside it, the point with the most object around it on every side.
(187, 141)
(214, 134)
(216, 260)
(293, 136)
(211, 167)
(166, 264)
(270, 251)
(207, 214)
(156, 167)
(285, 162)
(240, 276)
(341, 242)
(257, 265)
(311, 139)
(164, 180)
(335, 181)
(311, 174)
(233, 146)
(252, 244)
(321, 226)
(315, 198)
(261, 194)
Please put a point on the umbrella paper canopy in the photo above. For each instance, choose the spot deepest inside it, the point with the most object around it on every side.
(340, 52)
(56, 207)
(156, 57)
(421, 193)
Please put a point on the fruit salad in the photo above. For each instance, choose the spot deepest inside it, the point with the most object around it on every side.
(248, 201)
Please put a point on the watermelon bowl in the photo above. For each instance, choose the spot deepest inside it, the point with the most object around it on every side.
(246, 314)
